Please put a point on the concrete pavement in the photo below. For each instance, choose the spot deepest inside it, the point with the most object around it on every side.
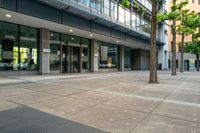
(120, 102)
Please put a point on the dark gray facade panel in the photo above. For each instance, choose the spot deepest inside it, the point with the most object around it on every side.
(117, 34)
(39, 10)
(136, 59)
(145, 59)
(76, 21)
(130, 38)
(8, 4)
(137, 40)
(101, 29)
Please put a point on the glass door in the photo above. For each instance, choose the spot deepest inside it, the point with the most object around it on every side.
(65, 59)
(70, 59)
(75, 64)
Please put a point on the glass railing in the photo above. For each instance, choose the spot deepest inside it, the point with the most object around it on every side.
(111, 10)
(146, 3)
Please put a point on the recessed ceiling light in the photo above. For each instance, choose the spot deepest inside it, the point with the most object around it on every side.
(117, 41)
(52, 35)
(71, 30)
(91, 35)
(8, 15)
(72, 38)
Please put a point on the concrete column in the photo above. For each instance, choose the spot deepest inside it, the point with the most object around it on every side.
(161, 57)
(44, 51)
(94, 55)
(121, 58)
(140, 59)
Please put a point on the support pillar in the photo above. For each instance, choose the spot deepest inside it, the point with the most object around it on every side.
(140, 59)
(94, 55)
(160, 57)
(44, 50)
(121, 58)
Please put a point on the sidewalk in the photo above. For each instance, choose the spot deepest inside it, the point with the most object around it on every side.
(119, 102)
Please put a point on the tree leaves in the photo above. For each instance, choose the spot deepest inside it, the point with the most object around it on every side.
(125, 3)
(193, 46)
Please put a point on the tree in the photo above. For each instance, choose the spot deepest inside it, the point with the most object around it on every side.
(186, 27)
(156, 6)
(174, 16)
(194, 46)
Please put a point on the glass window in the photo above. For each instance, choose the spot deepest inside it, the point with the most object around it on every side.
(108, 55)
(85, 53)
(18, 51)
(73, 40)
(28, 48)
(64, 39)
(54, 51)
(9, 46)
(70, 40)
(127, 57)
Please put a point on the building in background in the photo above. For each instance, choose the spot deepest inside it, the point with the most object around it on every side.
(163, 50)
(189, 59)
(71, 36)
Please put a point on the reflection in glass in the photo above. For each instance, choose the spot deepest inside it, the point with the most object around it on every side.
(18, 54)
(54, 51)
(85, 2)
(85, 53)
(8, 46)
(108, 55)
(73, 40)
(114, 10)
(28, 48)
(106, 4)
(96, 5)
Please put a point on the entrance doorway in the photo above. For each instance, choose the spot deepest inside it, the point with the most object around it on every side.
(70, 59)
(187, 65)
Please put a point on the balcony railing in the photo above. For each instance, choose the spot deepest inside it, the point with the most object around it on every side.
(114, 12)
(146, 3)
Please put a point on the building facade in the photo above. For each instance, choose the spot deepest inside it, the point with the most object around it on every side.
(70, 36)
(189, 59)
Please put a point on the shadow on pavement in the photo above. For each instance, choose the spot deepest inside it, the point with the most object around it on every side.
(28, 120)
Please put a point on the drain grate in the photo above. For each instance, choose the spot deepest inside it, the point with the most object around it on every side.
(28, 120)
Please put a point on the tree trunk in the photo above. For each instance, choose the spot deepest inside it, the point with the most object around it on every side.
(153, 49)
(197, 56)
(182, 51)
(174, 45)
(182, 45)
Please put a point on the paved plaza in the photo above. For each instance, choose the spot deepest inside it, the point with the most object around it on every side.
(118, 102)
